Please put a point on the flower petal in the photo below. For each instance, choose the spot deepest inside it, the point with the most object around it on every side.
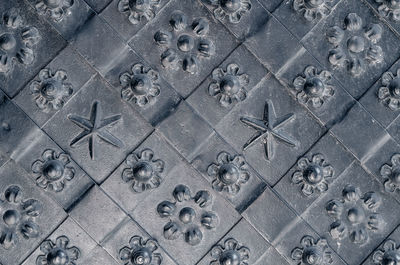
(390, 186)
(307, 241)
(62, 242)
(73, 253)
(297, 177)
(389, 245)
(37, 167)
(395, 160)
(232, 69)
(166, 208)
(178, 21)
(212, 170)
(223, 158)
(307, 189)
(297, 254)
(125, 253)
(171, 231)
(48, 155)
(181, 193)
(386, 171)
(214, 89)
(46, 246)
(353, 22)
(303, 163)
(216, 252)
(135, 242)
(322, 186)
(298, 83)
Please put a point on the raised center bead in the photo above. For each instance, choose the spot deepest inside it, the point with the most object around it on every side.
(142, 171)
(185, 43)
(228, 174)
(230, 85)
(52, 3)
(186, 215)
(356, 44)
(314, 86)
(230, 257)
(53, 169)
(57, 256)
(313, 174)
(312, 255)
(141, 256)
(11, 217)
(7, 42)
(139, 5)
(140, 84)
(355, 215)
(230, 5)
(48, 90)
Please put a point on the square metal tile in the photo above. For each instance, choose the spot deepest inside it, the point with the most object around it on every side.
(184, 43)
(288, 130)
(66, 74)
(113, 127)
(187, 217)
(69, 241)
(104, 215)
(23, 59)
(372, 45)
(358, 214)
(28, 216)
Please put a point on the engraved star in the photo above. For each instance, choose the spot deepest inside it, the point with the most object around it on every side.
(95, 126)
(267, 129)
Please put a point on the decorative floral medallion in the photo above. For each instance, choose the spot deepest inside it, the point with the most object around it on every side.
(389, 92)
(312, 252)
(354, 215)
(51, 91)
(58, 253)
(95, 126)
(233, 10)
(313, 175)
(141, 86)
(228, 86)
(391, 174)
(312, 9)
(230, 253)
(16, 41)
(389, 9)
(229, 173)
(52, 171)
(188, 216)
(388, 254)
(313, 88)
(140, 252)
(143, 172)
(268, 129)
(190, 41)
(354, 44)
(138, 10)
(55, 9)
(18, 217)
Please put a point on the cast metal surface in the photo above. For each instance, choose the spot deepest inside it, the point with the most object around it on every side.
(210, 132)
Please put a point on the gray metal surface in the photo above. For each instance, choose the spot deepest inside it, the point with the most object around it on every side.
(184, 132)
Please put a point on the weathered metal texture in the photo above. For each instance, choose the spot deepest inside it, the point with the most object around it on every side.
(232, 132)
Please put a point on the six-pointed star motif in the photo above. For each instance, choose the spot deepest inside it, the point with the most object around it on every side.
(267, 129)
(93, 126)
